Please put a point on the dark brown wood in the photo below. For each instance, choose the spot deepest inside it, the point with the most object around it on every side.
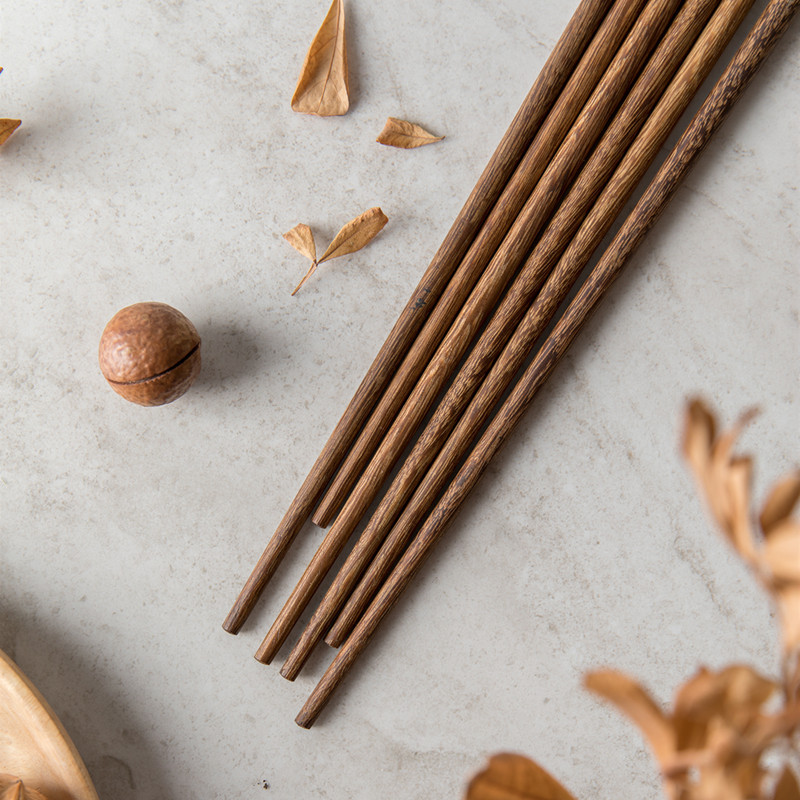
(558, 176)
(561, 171)
(648, 94)
(545, 91)
(618, 190)
(580, 86)
(772, 23)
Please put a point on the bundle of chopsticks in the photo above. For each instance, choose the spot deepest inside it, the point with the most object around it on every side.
(618, 80)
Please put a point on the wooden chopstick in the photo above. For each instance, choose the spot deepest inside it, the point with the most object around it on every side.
(582, 83)
(647, 94)
(565, 165)
(546, 89)
(641, 155)
(770, 26)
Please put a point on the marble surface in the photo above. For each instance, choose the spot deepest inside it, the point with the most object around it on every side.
(158, 159)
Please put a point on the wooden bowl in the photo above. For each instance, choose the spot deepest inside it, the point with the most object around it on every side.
(33, 743)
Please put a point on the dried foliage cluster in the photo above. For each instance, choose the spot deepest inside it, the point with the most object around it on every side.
(353, 236)
(725, 728)
(323, 90)
(8, 126)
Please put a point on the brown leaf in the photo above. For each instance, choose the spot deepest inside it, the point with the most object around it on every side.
(7, 127)
(787, 787)
(355, 234)
(724, 478)
(302, 239)
(787, 598)
(514, 777)
(406, 135)
(781, 502)
(323, 88)
(781, 552)
(634, 701)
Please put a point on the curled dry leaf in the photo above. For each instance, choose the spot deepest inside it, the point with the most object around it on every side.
(353, 236)
(723, 478)
(635, 702)
(323, 88)
(406, 135)
(514, 777)
(7, 127)
(780, 502)
(725, 481)
(302, 239)
(356, 234)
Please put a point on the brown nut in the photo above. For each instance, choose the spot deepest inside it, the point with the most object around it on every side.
(150, 353)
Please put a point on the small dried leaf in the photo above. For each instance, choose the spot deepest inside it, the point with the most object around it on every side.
(634, 701)
(787, 598)
(406, 135)
(355, 234)
(7, 127)
(787, 787)
(302, 239)
(323, 88)
(780, 502)
(724, 479)
(514, 777)
(781, 552)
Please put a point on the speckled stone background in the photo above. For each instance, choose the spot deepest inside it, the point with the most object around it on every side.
(159, 160)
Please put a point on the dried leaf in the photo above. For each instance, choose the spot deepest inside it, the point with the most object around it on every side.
(787, 598)
(781, 552)
(724, 479)
(514, 777)
(636, 703)
(7, 127)
(323, 88)
(781, 502)
(355, 234)
(406, 135)
(787, 787)
(302, 239)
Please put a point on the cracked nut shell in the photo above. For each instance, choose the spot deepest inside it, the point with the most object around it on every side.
(150, 353)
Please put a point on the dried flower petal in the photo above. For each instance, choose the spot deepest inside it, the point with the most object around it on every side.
(406, 135)
(638, 705)
(323, 88)
(7, 127)
(512, 776)
(355, 234)
(781, 502)
(302, 239)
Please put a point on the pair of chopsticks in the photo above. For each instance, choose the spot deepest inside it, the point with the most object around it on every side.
(586, 211)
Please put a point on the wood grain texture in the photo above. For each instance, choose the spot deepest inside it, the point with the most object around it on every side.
(582, 83)
(768, 29)
(450, 413)
(33, 743)
(557, 177)
(546, 89)
(633, 114)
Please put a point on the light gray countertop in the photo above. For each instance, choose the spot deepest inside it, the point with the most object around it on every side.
(159, 160)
